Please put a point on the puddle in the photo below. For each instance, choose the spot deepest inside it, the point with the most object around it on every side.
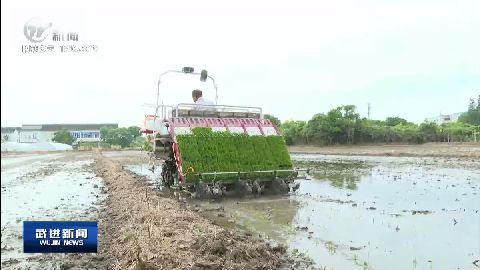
(45, 189)
(153, 178)
(371, 213)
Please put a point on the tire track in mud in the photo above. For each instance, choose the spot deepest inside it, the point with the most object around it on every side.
(141, 229)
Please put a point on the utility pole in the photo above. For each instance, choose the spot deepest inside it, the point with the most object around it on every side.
(368, 110)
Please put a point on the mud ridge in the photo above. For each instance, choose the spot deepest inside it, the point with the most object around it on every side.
(144, 230)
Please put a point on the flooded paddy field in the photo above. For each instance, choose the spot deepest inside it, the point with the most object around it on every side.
(371, 213)
(41, 187)
(140, 227)
(355, 212)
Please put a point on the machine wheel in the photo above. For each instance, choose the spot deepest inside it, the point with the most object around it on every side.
(242, 188)
(257, 189)
(278, 186)
(217, 191)
(202, 191)
(167, 175)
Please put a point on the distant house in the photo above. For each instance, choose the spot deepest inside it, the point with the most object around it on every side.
(44, 132)
(444, 118)
(10, 134)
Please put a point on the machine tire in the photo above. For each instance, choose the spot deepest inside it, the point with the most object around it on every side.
(242, 189)
(165, 175)
(278, 186)
(202, 191)
(257, 189)
(217, 192)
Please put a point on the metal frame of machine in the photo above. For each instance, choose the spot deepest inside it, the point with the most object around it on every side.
(170, 121)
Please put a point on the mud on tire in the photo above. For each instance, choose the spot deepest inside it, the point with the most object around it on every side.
(242, 189)
(277, 186)
(202, 190)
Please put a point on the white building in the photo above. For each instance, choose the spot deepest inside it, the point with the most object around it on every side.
(444, 118)
(45, 132)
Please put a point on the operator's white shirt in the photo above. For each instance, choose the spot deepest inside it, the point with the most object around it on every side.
(202, 101)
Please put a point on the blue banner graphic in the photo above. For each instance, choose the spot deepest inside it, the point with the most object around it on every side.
(60, 236)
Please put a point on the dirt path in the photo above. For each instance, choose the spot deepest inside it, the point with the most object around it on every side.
(427, 150)
(143, 230)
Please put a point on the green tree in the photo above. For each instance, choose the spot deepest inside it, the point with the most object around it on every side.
(471, 105)
(63, 136)
(457, 132)
(393, 121)
(274, 119)
(105, 133)
(294, 132)
(317, 129)
(408, 133)
(339, 125)
(472, 116)
(135, 131)
(120, 136)
(343, 125)
(429, 131)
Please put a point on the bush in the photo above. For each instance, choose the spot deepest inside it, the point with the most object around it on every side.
(123, 137)
(63, 136)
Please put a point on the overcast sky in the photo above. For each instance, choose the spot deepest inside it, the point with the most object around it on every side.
(407, 58)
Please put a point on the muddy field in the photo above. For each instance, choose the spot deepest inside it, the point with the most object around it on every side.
(420, 150)
(355, 212)
(141, 227)
(44, 187)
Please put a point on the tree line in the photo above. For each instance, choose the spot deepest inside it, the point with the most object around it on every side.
(343, 125)
(123, 137)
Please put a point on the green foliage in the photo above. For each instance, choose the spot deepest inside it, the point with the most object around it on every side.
(147, 145)
(123, 137)
(273, 119)
(138, 142)
(135, 131)
(458, 132)
(207, 151)
(408, 133)
(336, 127)
(342, 125)
(429, 131)
(393, 121)
(63, 136)
(104, 133)
(294, 132)
(472, 116)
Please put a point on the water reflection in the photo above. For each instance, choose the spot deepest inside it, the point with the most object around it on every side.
(271, 217)
(362, 213)
(342, 175)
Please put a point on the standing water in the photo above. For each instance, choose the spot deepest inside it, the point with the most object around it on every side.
(373, 213)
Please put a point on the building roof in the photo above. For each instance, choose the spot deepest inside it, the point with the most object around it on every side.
(71, 127)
